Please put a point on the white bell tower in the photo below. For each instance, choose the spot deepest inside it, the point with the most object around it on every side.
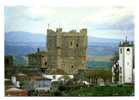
(126, 62)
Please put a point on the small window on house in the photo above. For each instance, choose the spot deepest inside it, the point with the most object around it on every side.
(54, 77)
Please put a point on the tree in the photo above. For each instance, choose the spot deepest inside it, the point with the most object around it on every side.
(115, 58)
(115, 67)
(116, 73)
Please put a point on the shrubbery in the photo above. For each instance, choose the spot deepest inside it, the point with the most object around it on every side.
(77, 90)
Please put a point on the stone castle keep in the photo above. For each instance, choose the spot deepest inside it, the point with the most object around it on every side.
(67, 50)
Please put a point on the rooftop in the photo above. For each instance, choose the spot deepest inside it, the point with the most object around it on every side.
(126, 43)
(40, 53)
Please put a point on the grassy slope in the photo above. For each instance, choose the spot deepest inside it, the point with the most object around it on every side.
(100, 62)
(101, 91)
(100, 58)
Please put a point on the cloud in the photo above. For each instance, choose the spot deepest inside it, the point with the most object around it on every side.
(100, 21)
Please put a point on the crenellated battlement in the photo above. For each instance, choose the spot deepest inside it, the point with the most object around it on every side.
(59, 30)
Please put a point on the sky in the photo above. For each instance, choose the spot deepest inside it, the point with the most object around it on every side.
(101, 21)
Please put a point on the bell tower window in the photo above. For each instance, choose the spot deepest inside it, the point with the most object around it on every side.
(128, 51)
(121, 50)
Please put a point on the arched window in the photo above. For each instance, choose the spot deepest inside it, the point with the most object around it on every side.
(45, 63)
(128, 49)
(72, 66)
(71, 43)
(121, 50)
(77, 45)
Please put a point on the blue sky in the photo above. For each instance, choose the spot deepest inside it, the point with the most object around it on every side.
(107, 22)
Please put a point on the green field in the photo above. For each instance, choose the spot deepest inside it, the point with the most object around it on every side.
(105, 58)
(126, 90)
(99, 62)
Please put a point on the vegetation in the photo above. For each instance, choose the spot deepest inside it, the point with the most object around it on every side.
(115, 58)
(115, 67)
(77, 90)
(92, 76)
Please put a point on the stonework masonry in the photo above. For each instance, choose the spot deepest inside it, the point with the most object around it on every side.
(67, 50)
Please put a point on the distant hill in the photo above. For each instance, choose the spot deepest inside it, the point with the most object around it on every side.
(27, 37)
(22, 43)
(92, 40)
(24, 37)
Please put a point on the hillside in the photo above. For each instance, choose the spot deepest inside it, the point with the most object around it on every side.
(21, 43)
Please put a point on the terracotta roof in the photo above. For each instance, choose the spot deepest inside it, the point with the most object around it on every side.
(14, 90)
(39, 78)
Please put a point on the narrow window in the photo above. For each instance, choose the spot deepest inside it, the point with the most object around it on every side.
(121, 50)
(45, 63)
(71, 66)
(120, 70)
(54, 77)
(71, 43)
(77, 45)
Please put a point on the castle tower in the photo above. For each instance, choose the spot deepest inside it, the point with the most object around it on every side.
(126, 62)
(67, 50)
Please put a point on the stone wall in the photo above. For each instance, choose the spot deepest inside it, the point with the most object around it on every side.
(67, 50)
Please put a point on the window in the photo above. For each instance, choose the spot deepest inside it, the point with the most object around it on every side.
(71, 66)
(45, 63)
(121, 50)
(70, 43)
(120, 70)
(77, 45)
(54, 77)
(128, 49)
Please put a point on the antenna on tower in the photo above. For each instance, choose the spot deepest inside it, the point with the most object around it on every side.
(126, 38)
(48, 26)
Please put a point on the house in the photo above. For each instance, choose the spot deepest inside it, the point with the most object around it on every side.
(16, 92)
(58, 77)
(38, 59)
(39, 83)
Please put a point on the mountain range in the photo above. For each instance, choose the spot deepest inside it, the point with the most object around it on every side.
(22, 43)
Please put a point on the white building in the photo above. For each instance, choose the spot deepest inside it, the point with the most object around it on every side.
(57, 77)
(125, 63)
